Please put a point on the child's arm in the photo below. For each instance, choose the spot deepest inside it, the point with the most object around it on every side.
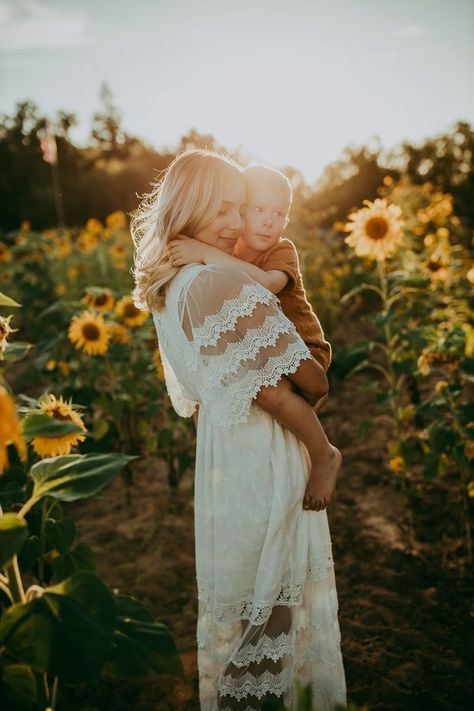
(294, 413)
(185, 250)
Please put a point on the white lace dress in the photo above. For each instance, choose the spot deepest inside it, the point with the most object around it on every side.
(267, 620)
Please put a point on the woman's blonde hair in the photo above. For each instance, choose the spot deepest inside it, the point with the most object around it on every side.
(186, 199)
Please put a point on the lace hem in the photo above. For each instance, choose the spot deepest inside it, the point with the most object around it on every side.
(254, 340)
(232, 309)
(235, 407)
(249, 685)
(258, 611)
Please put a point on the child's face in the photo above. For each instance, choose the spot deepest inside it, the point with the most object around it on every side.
(266, 216)
(224, 231)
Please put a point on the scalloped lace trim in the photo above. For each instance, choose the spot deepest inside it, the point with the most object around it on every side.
(236, 411)
(254, 340)
(232, 309)
(248, 684)
(268, 647)
(258, 611)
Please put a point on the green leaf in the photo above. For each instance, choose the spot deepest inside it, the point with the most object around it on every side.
(13, 532)
(141, 646)
(16, 351)
(59, 535)
(31, 550)
(76, 476)
(467, 365)
(80, 558)
(7, 301)
(357, 289)
(38, 424)
(66, 632)
(431, 467)
(18, 690)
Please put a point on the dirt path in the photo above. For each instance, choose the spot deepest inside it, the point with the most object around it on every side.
(406, 620)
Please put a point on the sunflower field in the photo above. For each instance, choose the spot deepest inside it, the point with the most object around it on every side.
(83, 406)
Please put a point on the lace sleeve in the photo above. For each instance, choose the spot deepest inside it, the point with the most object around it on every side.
(241, 340)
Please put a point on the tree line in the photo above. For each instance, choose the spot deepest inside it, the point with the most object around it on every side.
(115, 169)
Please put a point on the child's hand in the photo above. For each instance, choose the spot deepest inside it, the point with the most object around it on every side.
(184, 250)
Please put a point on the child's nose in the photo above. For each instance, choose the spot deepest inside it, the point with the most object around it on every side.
(235, 220)
(268, 218)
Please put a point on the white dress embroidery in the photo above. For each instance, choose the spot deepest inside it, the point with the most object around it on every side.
(267, 621)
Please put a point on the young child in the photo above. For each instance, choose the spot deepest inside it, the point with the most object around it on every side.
(272, 260)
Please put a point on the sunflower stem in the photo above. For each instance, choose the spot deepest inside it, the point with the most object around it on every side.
(394, 400)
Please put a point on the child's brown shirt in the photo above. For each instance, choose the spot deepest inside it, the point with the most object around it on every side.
(284, 257)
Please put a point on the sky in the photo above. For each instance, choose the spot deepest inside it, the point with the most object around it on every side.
(291, 83)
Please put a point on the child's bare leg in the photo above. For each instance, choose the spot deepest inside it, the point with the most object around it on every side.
(293, 412)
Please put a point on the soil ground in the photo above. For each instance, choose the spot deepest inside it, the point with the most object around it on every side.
(405, 616)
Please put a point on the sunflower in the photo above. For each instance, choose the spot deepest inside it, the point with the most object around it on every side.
(100, 300)
(470, 274)
(5, 254)
(118, 333)
(116, 220)
(62, 247)
(129, 313)
(437, 267)
(396, 464)
(10, 431)
(87, 242)
(376, 229)
(88, 331)
(73, 271)
(118, 254)
(5, 330)
(94, 226)
(63, 411)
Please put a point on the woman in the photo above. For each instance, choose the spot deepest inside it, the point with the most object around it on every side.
(267, 618)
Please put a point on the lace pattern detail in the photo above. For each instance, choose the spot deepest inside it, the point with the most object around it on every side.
(248, 684)
(258, 611)
(268, 647)
(232, 309)
(229, 412)
(254, 340)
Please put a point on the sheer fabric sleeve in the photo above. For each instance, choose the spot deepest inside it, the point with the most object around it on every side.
(183, 405)
(240, 339)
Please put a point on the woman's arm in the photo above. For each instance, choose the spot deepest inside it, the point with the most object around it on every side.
(185, 250)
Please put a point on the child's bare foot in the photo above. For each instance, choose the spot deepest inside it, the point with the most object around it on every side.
(322, 481)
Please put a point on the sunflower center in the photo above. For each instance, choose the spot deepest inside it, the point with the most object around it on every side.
(90, 332)
(376, 228)
(130, 311)
(433, 266)
(101, 299)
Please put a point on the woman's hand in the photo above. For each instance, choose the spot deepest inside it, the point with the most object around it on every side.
(185, 250)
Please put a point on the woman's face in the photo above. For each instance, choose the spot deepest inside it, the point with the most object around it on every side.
(224, 231)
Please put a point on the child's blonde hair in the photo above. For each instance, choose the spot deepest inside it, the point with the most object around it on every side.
(258, 174)
(185, 200)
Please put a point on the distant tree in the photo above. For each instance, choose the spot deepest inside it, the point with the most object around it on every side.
(447, 161)
(106, 133)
